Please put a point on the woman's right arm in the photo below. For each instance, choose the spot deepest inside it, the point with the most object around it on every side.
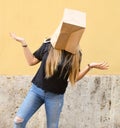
(28, 55)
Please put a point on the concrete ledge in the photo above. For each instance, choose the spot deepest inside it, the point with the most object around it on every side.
(93, 103)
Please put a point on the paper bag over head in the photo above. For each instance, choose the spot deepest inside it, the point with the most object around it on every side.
(69, 32)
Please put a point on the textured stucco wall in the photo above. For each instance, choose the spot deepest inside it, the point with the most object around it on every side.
(93, 103)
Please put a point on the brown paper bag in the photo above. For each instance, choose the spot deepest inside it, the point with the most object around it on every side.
(69, 32)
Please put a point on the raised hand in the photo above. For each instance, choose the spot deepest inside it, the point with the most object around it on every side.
(17, 38)
(101, 65)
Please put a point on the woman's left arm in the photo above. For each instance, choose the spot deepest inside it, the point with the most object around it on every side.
(101, 66)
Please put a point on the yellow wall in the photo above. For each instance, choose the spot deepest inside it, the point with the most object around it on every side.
(36, 19)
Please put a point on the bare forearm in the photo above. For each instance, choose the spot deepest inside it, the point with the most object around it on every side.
(100, 66)
(82, 73)
(28, 55)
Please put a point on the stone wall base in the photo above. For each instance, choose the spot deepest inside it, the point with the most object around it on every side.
(94, 102)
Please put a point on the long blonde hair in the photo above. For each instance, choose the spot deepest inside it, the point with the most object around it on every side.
(54, 58)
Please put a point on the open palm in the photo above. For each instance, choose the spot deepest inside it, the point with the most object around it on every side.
(19, 39)
(102, 65)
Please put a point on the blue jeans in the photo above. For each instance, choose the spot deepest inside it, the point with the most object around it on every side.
(33, 101)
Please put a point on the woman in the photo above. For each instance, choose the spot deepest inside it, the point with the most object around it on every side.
(50, 82)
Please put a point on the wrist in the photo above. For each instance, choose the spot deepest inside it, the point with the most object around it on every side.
(24, 45)
(89, 66)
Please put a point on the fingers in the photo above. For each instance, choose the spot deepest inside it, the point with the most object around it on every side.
(17, 38)
(13, 35)
(103, 66)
